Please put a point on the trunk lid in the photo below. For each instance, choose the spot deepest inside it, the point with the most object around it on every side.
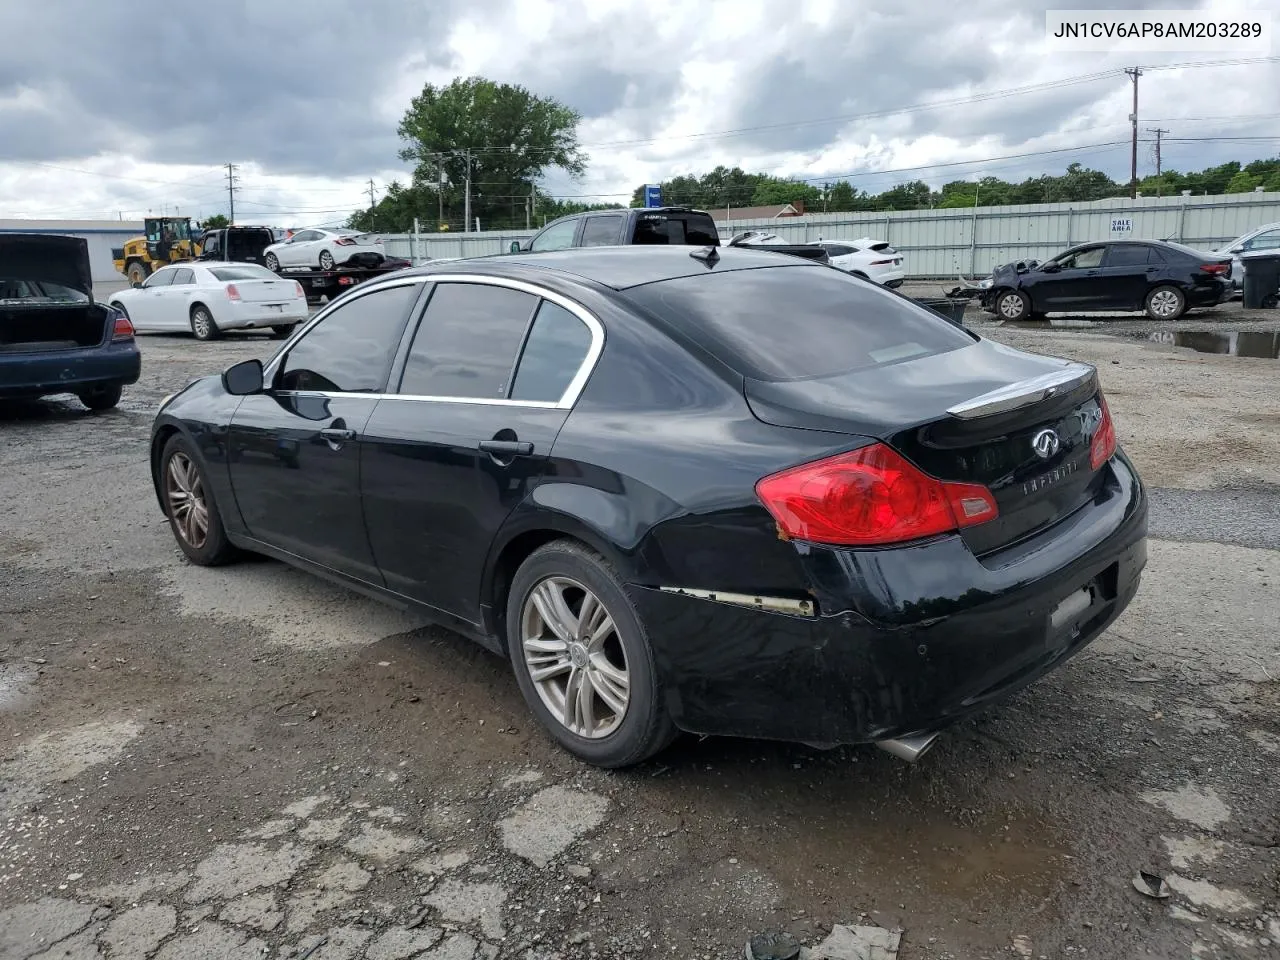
(973, 415)
(47, 258)
(267, 291)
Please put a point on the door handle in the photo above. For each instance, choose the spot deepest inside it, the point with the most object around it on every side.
(1093, 273)
(506, 448)
(338, 434)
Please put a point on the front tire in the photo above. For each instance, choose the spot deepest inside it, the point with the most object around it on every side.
(136, 272)
(326, 260)
(583, 659)
(202, 324)
(1013, 305)
(1165, 303)
(272, 262)
(190, 506)
(102, 398)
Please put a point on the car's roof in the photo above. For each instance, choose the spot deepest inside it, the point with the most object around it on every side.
(620, 267)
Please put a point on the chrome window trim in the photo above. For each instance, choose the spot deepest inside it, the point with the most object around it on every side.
(567, 399)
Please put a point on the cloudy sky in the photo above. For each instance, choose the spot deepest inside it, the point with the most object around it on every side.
(103, 115)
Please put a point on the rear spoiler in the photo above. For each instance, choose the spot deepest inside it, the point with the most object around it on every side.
(1027, 392)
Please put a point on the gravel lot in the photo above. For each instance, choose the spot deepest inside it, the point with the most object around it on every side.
(225, 763)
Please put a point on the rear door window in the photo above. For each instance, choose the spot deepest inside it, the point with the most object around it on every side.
(1128, 255)
(602, 231)
(553, 354)
(467, 342)
(794, 323)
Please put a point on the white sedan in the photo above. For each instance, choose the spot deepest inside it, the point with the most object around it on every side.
(871, 259)
(325, 249)
(208, 298)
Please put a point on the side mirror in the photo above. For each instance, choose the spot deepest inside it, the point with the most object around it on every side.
(243, 379)
(1237, 249)
(515, 246)
(1051, 267)
(136, 284)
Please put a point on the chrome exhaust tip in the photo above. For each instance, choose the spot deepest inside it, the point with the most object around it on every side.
(909, 749)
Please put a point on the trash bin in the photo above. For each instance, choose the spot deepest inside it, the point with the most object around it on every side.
(950, 307)
(1261, 279)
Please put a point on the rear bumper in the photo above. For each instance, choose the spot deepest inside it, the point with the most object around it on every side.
(31, 375)
(1209, 294)
(907, 640)
(247, 314)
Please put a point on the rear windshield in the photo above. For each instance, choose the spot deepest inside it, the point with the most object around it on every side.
(39, 291)
(247, 271)
(793, 323)
(696, 229)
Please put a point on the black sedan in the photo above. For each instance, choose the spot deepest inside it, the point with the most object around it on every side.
(1155, 277)
(720, 491)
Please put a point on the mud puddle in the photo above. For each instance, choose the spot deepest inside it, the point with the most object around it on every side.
(1265, 346)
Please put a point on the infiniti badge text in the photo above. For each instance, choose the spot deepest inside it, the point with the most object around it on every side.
(1050, 478)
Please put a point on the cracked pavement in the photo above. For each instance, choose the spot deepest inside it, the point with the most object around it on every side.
(247, 761)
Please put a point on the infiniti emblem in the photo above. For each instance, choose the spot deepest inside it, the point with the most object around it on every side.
(1045, 444)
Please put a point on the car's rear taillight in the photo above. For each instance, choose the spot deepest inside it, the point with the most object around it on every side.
(880, 263)
(1216, 269)
(1103, 445)
(344, 241)
(232, 292)
(870, 497)
(122, 330)
(301, 293)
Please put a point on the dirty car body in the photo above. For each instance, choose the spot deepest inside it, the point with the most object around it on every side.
(857, 526)
(1117, 277)
(53, 337)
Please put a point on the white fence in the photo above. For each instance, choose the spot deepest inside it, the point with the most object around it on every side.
(944, 243)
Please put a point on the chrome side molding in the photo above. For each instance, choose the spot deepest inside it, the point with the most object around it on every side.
(800, 608)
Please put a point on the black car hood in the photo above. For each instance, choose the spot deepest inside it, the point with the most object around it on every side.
(1006, 271)
(49, 257)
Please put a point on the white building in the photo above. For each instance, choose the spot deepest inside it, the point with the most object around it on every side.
(103, 235)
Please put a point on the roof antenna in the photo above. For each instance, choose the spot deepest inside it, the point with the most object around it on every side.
(708, 255)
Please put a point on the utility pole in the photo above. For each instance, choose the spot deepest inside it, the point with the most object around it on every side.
(1135, 73)
(372, 202)
(466, 203)
(533, 205)
(1159, 133)
(440, 195)
(231, 190)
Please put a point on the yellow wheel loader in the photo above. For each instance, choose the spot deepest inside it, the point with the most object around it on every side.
(167, 240)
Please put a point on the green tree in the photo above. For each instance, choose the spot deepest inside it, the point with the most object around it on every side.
(503, 135)
(773, 191)
(1243, 183)
(217, 221)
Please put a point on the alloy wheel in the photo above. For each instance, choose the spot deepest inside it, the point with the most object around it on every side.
(1164, 304)
(184, 489)
(1011, 306)
(201, 324)
(326, 260)
(575, 657)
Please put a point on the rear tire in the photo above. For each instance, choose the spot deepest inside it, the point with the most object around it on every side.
(202, 325)
(615, 669)
(282, 331)
(326, 260)
(190, 506)
(272, 262)
(1013, 305)
(102, 398)
(1165, 303)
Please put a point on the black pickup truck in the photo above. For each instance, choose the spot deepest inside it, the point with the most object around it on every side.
(245, 244)
(641, 225)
